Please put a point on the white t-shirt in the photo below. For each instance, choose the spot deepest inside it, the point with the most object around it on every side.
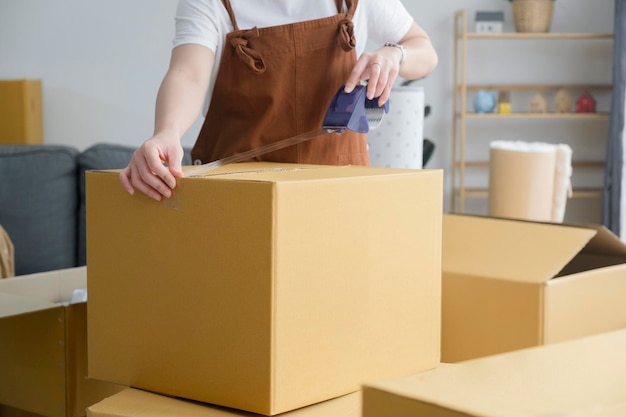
(206, 22)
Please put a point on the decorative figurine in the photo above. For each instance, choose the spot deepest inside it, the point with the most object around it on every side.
(563, 101)
(586, 104)
(504, 102)
(485, 101)
(538, 104)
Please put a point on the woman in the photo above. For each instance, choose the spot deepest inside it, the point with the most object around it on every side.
(266, 70)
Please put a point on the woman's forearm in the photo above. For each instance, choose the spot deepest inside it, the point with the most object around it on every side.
(183, 90)
(420, 55)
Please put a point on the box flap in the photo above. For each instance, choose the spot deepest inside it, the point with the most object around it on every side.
(12, 305)
(52, 286)
(509, 249)
(606, 242)
(584, 377)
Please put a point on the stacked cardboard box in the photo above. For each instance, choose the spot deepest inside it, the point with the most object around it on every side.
(584, 377)
(43, 347)
(265, 287)
(512, 284)
(21, 119)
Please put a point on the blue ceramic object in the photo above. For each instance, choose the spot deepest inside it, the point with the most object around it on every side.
(486, 101)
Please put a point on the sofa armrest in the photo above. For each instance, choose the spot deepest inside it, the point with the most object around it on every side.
(38, 191)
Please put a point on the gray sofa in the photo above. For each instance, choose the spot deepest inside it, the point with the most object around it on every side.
(42, 200)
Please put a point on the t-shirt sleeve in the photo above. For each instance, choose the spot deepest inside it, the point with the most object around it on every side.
(197, 22)
(387, 21)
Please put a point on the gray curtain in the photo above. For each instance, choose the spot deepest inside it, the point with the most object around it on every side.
(612, 208)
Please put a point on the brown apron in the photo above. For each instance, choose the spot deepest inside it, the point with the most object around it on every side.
(277, 82)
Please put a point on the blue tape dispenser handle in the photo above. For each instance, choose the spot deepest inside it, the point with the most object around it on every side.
(354, 111)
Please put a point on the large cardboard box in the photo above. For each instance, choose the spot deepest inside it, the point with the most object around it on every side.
(132, 403)
(583, 377)
(43, 346)
(21, 118)
(6, 411)
(265, 287)
(512, 284)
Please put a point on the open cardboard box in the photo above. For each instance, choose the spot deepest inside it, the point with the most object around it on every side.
(133, 402)
(584, 377)
(43, 346)
(511, 284)
(265, 287)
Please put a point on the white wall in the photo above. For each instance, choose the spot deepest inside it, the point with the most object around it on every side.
(101, 63)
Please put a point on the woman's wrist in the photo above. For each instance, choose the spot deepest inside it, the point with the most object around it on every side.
(401, 48)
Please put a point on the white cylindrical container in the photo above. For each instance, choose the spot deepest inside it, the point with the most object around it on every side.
(398, 141)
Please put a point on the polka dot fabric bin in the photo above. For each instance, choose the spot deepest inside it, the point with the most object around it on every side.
(398, 141)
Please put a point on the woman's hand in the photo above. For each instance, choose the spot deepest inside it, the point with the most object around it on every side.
(154, 167)
(382, 66)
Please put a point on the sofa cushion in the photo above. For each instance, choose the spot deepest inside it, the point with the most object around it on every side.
(38, 191)
(102, 156)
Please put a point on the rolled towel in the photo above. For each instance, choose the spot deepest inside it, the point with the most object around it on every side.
(529, 180)
(562, 182)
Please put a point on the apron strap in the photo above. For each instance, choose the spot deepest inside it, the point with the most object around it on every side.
(345, 29)
(249, 56)
(351, 7)
(231, 14)
(254, 60)
(239, 43)
(339, 3)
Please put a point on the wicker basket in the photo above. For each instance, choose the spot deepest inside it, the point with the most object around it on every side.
(533, 15)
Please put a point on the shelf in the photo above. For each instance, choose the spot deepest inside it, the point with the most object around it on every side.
(584, 192)
(464, 117)
(535, 87)
(533, 36)
(575, 164)
(527, 115)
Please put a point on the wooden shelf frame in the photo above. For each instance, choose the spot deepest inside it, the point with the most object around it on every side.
(589, 192)
(575, 164)
(461, 114)
(528, 115)
(537, 87)
(583, 192)
(535, 36)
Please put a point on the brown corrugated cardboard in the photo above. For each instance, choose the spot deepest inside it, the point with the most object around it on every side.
(512, 284)
(21, 120)
(6, 411)
(265, 287)
(132, 403)
(583, 377)
(43, 352)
